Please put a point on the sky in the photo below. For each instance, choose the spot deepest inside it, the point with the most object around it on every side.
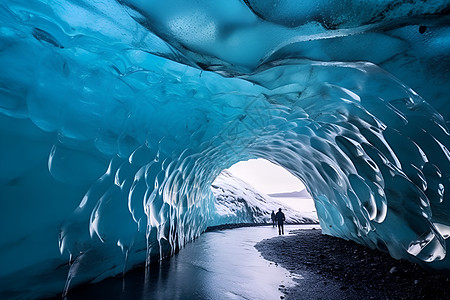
(266, 177)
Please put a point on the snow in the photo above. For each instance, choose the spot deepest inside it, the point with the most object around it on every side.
(238, 202)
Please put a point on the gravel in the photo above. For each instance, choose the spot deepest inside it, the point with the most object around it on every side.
(332, 268)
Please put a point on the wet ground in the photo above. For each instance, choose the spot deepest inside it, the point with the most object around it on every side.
(303, 264)
(357, 272)
(220, 264)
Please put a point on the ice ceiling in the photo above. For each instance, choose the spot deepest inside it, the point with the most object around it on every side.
(116, 116)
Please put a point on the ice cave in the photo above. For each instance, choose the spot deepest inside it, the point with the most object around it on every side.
(116, 117)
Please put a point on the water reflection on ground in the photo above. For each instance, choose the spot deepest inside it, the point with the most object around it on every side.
(218, 265)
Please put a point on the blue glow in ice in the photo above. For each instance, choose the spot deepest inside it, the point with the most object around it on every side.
(116, 117)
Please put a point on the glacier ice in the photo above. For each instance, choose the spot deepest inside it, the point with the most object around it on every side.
(116, 117)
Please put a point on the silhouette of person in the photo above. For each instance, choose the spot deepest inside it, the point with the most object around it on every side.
(273, 217)
(280, 219)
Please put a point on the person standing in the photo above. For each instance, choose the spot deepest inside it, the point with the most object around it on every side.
(272, 216)
(280, 219)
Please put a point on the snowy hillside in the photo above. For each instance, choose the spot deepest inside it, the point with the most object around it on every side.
(238, 202)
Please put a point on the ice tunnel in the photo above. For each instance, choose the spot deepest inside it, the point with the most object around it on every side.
(116, 117)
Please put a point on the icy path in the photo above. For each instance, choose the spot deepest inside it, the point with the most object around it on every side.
(218, 265)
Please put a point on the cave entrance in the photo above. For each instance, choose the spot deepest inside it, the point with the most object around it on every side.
(277, 187)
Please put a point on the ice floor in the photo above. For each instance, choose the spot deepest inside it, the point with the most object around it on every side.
(218, 265)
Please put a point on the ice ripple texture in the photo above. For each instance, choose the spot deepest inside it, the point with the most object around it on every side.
(116, 117)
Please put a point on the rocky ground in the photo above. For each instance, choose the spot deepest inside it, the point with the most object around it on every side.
(345, 270)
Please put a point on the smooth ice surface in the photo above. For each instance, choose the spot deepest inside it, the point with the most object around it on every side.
(218, 265)
(116, 117)
(304, 205)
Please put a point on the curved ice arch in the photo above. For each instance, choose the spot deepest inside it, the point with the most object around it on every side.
(372, 153)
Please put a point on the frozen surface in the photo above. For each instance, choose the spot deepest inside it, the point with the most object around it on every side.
(239, 202)
(116, 117)
(298, 204)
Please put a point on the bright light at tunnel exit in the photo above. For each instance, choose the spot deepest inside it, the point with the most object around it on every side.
(266, 177)
(269, 178)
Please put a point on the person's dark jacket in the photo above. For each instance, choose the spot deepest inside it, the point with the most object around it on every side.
(280, 217)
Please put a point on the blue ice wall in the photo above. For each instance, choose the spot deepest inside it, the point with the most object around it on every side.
(116, 116)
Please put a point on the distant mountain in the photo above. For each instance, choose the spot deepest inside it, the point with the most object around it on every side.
(239, 202)
(296, 194)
